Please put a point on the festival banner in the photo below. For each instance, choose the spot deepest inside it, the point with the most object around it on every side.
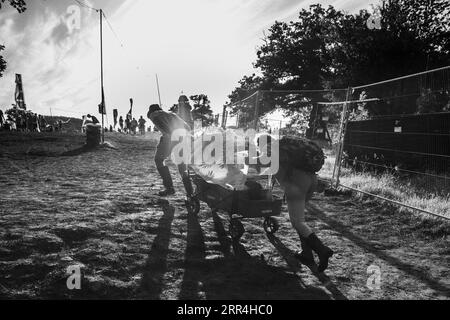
(19, 95)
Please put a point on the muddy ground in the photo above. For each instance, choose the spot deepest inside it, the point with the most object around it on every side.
(97, 210)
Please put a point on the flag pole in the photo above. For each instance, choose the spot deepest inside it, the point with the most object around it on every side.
(101, 70)
(157, 86)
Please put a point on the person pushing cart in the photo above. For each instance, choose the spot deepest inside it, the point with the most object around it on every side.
(299, 161)
(167, 123)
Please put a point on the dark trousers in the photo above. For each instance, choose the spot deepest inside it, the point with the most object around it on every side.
(163, 151)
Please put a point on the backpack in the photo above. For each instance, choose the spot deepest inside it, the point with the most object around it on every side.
(301, 154)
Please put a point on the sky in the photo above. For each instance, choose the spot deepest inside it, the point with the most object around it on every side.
(195, 46)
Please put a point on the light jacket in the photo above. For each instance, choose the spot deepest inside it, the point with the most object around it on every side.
(167, 122)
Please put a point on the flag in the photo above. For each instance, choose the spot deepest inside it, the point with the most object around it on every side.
(115, 115)
(18, 95)
(101, 106)
(130, 113)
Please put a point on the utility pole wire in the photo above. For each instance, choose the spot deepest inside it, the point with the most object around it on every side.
(112, 29)
(85, 5)
(123, 47)
(102, 14)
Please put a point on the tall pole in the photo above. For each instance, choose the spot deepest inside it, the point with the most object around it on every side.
(101, 70)
(224, 122)
(157, 86)
(256, 111)
(343, 126)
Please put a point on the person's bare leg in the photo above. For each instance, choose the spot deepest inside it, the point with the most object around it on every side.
(296, 208)
(296, 201)
(297, 192)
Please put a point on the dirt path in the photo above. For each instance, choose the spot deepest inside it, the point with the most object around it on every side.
(97, 210)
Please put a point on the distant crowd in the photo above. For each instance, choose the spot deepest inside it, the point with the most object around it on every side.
(131, 125)
(128, 126)
(17, 119)
(21, 120)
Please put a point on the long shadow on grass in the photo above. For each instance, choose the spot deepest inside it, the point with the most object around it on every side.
(241, 276)
(78, 151)
(405, 267)
(194, 263)
(85, 149)
(156, 266)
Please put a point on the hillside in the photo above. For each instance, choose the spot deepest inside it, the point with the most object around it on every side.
(73, 125)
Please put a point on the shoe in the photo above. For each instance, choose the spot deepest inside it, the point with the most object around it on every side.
(306, 256)
(322, 251)
(166, 192)
(166, 177)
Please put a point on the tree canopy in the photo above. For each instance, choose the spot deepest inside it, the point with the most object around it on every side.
(202, 109)
(326, 48)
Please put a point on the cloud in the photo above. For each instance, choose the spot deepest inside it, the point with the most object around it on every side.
(41, 46)
(60, 33)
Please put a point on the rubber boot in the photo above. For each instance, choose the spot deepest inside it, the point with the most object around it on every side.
(306, 257)
(188, 186)
(322, 251)
(167, 182)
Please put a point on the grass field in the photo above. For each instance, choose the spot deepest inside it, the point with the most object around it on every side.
(427, 193)
(98, 210)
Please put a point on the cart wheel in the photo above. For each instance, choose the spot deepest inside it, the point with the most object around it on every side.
(236, 229)
(270, 225)
(193, 205)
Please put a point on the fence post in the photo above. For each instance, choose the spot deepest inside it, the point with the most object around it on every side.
(256, 110)
(224, 117)
(313, 133)
(343, 126)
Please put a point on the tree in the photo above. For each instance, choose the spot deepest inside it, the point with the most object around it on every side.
(2, 61)
(407, 42)
(326, 48)
(248, 85)
(295, 55)
(20, 6)
(429, 20)
(414, 37)
(202, 110)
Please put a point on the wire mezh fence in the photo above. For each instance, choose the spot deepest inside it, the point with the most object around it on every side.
(397, 129)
